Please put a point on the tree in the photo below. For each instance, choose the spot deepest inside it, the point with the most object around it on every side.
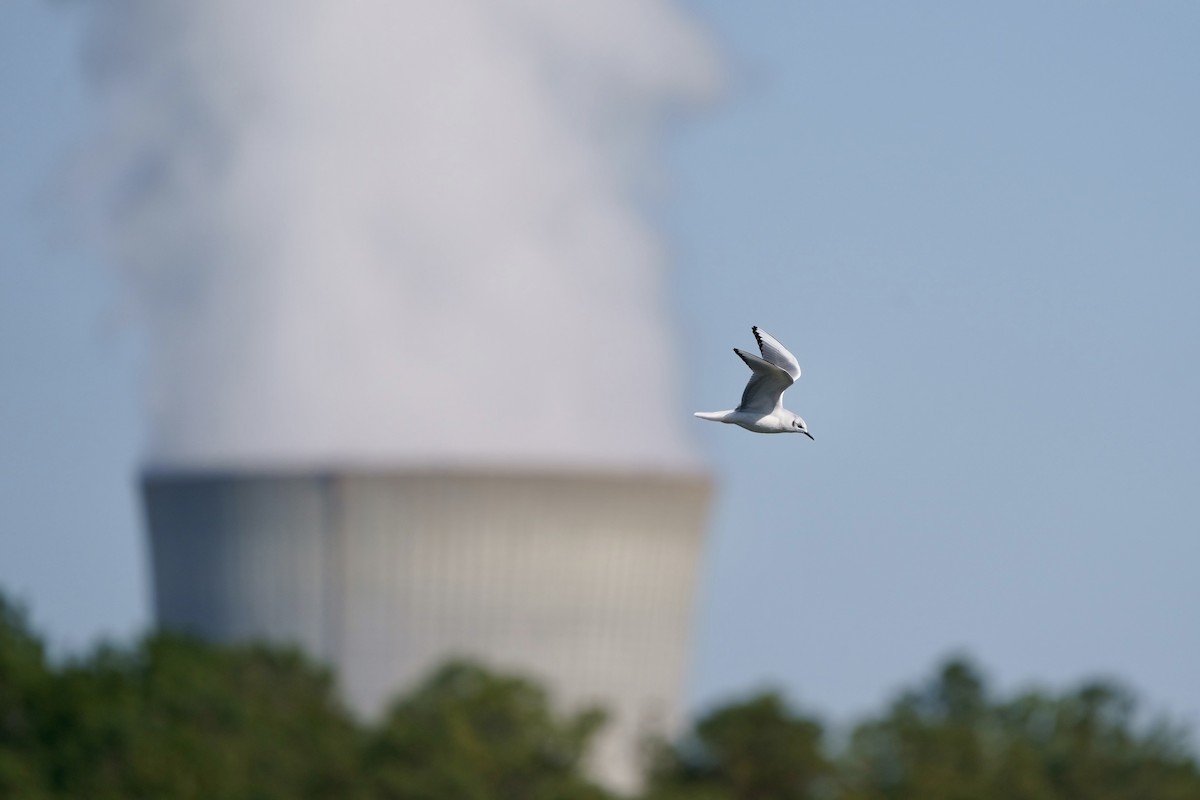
(1088, 744)
(179, 718)
(758, 749)
(24, 683)
(471, 734)
(950, 740)
(931, 745)
(171, 717)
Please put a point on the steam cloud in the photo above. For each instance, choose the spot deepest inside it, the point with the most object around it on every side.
(394, 231)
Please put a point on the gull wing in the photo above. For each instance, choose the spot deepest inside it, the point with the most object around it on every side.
(764, 391)
(775, 353)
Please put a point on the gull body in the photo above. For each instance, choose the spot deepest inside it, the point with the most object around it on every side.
(761, 409)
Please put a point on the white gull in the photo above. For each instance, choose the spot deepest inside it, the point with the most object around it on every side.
(761, 409)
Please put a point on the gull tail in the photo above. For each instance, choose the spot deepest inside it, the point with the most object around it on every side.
(715, 416)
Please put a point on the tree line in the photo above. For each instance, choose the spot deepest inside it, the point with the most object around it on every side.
(170, 717)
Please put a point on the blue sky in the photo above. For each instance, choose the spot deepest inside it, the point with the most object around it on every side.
(977, 229)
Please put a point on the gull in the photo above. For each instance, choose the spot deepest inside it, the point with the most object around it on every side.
(761, 409)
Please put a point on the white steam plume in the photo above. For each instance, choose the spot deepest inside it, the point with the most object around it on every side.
(394, 231)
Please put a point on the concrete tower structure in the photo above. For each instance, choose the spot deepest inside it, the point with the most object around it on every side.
(584, 580)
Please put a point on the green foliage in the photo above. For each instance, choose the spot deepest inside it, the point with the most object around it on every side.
(175, 718)
(949, 740)
(759, 748)
(24, 686)
(470, 734)
(930, 745)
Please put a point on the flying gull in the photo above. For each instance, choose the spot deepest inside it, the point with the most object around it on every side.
(761, 409)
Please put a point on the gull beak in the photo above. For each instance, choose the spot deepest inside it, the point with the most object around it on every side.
(809, 435)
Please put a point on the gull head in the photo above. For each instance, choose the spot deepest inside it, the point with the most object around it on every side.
(799, 426)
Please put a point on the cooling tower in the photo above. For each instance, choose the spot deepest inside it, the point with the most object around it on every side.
(582, 580)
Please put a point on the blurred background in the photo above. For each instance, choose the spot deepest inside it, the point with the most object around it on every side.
(975, 227)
